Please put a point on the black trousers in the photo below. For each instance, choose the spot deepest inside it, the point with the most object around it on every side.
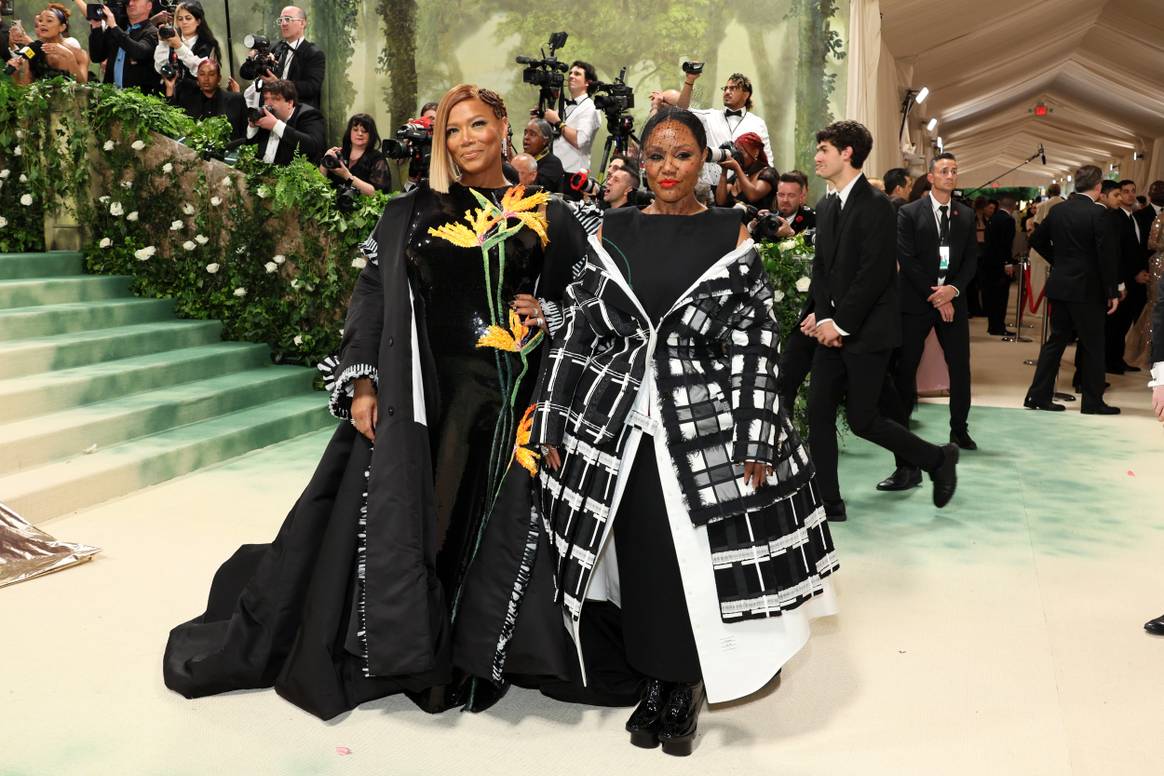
(857, 379)
(1116, 326)
(1070, 320)
(995, 296)
(795, 364)
(955, 341)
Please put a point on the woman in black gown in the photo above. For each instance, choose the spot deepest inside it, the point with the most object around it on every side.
(405, 563)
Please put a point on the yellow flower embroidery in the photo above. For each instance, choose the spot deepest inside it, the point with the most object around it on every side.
(511, 340)
(471, 236)
(526, 209)
(525, 457)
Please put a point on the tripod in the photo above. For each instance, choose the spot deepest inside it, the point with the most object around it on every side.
(621, 129)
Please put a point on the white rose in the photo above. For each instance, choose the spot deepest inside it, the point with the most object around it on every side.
(108, 145)
(167, 167)
(212, 268)
(225, 182)
(23, 178)
(105, 242)
(270, 266)
(187, 208)
(201, 239)
(17, 151)
(189, 245)
(3, 222)
(145, 253)
(240, 292)
(279, 259)
(115, 209)
(298, 339)
(263, 192)
(778, 295)
(295, 282)
(803, 284)
(216, 201)
(4, 174)
(137, 145)
(127, 185)
(104, 200)
(20, 134)
(176, 226)
(132, 216)
(787, 245)
(359, 262)
(26, 199)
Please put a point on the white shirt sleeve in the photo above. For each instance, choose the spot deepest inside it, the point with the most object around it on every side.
(587, 127)
(1157, 374)
(161, 54)
(188, 57)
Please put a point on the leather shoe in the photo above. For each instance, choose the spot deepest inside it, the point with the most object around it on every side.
(644, 722)
(1115, 370)
(903, 478)
(962, 439)
(1103, 409)
(835, 511)
(1049, 406)
(945, 477)
(680, 719)
(1003, 333)
(1156, 626)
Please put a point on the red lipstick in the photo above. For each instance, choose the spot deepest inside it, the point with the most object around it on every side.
(668, 183)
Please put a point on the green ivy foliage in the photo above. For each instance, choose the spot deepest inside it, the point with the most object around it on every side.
(789, 266)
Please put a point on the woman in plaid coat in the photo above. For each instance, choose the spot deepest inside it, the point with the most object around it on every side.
(659, 407)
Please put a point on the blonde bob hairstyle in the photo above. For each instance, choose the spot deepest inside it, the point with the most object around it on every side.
(442, 170)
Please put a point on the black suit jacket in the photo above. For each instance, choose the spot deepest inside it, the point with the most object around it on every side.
(1129, 251)
(1076, 240)
(189, 98)
(139, 48)
(918, 254)
(998, 248)
(1144, 218)
(307, 70)
(803, 218)
(305, 132)
(551, 174)
(854, 272)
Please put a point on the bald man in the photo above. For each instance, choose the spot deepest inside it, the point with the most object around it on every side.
(664, 97)
(527, 169)
(297, 59)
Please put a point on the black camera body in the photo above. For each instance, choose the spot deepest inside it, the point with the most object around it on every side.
(331, 162)
(167, 31)
(614, 97)
(767, 227)
(693, 68)
(263, 62)
(728, 150)
(412, 141)
(254, 114)
(94, 12)
(347, 197)
(546, 72)
(167, 71)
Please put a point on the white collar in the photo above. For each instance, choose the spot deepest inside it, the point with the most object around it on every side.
(935, 204)
(843, 194)
(294, 46)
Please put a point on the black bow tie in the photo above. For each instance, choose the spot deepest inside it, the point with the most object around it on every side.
(571, 102)
(730, 112)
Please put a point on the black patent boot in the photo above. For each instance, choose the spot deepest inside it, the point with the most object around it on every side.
(644, 722)
(680, 718)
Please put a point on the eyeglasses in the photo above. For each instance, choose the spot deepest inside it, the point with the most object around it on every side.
(732, 88)
(287, 19)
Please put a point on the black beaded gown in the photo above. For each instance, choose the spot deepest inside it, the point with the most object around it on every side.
(288, 614)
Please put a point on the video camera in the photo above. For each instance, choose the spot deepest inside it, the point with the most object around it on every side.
(95, 12)
(547, 73)
(614, 99)
(261, 63)
(413, 141)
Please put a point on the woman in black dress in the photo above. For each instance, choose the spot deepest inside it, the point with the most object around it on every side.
(406, 562)
(753, 180)
(358, 160)
(660, 414)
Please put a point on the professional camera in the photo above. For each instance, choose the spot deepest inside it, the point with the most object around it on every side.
(331, 161)
(693, 68)
(347, 197)
(254, 114)
(32, 52)
(728, 150)
(167, 31)
(547, 73)
(167, 71)
(582, 183)
(640, 198)
(94, 12)
(767, 227)
(262, 62)
(614, 99)
(413, 141)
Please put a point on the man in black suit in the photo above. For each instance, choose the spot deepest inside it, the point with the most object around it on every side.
(798, 217)
(897, 186)
(796, 355)
(937, 252)
(536, 141)
(1076, 240)
(298, 60)
(1133, 274)
(997, 267)
(287, 127)
(852, 311)
(203, 98)
(128, 54)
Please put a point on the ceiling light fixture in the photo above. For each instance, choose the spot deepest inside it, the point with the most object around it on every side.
(932, 125)
(921, 95)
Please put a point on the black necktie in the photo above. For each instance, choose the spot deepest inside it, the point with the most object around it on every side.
(833, 201)
(730, 112)
(944, 231)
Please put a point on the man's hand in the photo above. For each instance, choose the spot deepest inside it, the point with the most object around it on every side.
(552, 117)
(1158, 402)
(267, 122)
(1142, 277)
(110, 19)
(269, 77)
(691, 78)
(785, 229)
(827, 335)
(1112, 304)
(232, 86)
(947, 312)
(808, 325)
(942, 295)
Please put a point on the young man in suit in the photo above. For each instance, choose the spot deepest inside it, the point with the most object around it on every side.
(1133, 264)
(937, 253)
(997, 267)
(1077, 241)
(852, 312)
(287, 127)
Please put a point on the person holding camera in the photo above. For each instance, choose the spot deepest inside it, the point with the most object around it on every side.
(749, 179)
(294, 59)
(50, 54)
(127, 53)
(202, 97)
(621, 182)
(576, 129)
(729, 123)
(536, 141)
(185, 41)
(357, 162)
(283, 126)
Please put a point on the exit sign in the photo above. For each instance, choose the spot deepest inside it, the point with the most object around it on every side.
(1041, 109)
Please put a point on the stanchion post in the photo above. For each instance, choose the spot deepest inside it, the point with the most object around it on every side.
(1018, 337)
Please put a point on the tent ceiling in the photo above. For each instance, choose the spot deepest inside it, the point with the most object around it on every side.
(1098, 64)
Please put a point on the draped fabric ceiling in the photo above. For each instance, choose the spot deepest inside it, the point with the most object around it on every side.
(1098, 65)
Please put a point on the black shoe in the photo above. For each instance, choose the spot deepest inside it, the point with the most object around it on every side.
(962, 439)
(680, 719)
(1156, 626)
(1129, 368)
(644, 722)
(945, 477)
(1115, 369)
(1000, 332)
(1103, 409)
(903, 478)
(835, 511)
(1049, 406)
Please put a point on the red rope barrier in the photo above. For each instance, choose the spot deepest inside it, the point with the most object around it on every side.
(1033, 302)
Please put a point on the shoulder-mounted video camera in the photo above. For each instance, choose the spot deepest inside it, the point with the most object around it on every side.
(546, 72)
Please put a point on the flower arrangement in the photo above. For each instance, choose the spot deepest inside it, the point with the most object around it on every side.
(788, 263)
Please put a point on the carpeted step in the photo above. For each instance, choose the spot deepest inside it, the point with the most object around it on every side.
(39, 265)
(54, 489)
(46, 320)
(66, 351)
(32, 395)
(34, 292)
(70, 433)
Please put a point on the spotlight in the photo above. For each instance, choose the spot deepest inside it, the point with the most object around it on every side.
(1068, 178)
(932, 125)
(920, 97)
(941, 145)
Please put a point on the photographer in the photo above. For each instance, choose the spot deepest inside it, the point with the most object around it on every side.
(428, 110)
(621, 182)
(293, 59)
(202, 97)
(535, 141)
(51, 54)
(726, 124)
(748, 178)
(127, 54)
(283, 126)
(790, 195)
(184, 41)
(577, 128)
(358, 161)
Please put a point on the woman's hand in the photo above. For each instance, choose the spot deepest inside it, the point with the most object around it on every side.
(731, 164)
(365, 412)
(551, 457)
(18, 37)
(530, 310)
(756, 474)
(174, 42)
(232, 85)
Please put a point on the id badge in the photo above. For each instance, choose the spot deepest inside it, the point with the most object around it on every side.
(944, 259)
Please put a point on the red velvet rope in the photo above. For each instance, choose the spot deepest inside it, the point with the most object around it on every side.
(1033, 302)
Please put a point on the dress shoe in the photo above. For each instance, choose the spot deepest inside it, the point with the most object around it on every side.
(1000, 332)
(1049, 406)
(962, 439)
(835, 511)
(1102, 409)
(903, 478)
(945, 477)
(1156, 626)
(680, 719)
(644, 722)
(1129, 368)
(1115, 369)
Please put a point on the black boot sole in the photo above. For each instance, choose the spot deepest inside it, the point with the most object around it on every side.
(679, 747)
(644, 739)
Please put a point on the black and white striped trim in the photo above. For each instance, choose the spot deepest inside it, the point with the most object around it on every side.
(343, 389)
(362, 573)
(552, 312)
(520, 583)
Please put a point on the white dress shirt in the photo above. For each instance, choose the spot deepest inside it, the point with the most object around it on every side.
(583, 119)
(949, 206)
(722, 128)
(843, 196)
(185, 53)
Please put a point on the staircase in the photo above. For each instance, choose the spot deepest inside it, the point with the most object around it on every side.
(102, 393)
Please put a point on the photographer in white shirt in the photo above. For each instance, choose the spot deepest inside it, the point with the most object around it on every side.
(576, 129)
(725, 124)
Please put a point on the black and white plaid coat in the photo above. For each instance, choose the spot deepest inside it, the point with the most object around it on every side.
(714, 361)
